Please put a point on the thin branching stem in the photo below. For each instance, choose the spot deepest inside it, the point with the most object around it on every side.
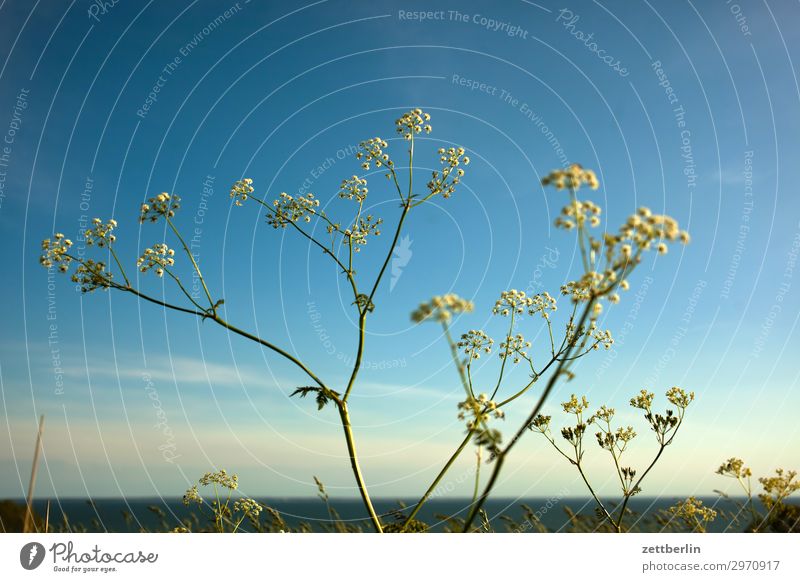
(500, 458)
(194, 263)
(351, 450)
(438, 478)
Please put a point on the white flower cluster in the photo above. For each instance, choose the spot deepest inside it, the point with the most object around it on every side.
(476, 411)
(288, 209)
(693, 513)
(221, 478)
(616, 440)
(192, 496)
(101, 233)
(91, 275)
(679, 397)
(579, 213)
(573, 178)
(354, 188)
(250, 507)
(643, 228)
(357, 235)
(373, 153)
(602, 337)
(474, 342)
(544, 304)
(162, 205)
(642, 231)
(516, 346)
(56, 252)
(580, 290)
(518, 302)
(240, 190)
(643, 400)
(415, 121)
(445, 182)
(441, 308)
(575, 406)
(604, 413)
(159, 256)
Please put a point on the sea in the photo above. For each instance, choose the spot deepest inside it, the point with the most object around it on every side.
(149, 514)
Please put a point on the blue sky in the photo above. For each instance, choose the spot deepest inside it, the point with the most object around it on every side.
(697, 117)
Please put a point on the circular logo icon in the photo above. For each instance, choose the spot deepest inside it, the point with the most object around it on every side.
(31, 555)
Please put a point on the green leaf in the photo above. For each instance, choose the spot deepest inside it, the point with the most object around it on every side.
(323, 395)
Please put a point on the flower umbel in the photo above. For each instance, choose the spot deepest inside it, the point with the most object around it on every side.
(735, 468)
(92, 275)
(413, 122)
(573, 178)
(693, 513)
(288, 209)
(372, 153)
(163, 204)
(157, 257)
(56, 253)
(241, 190)
(518, 302)
(475, 342)
(102, 233)
(444, 181)
(441, 308)
(353, 188)
(221, 478)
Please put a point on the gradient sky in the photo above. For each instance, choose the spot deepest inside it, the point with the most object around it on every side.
(281, 92)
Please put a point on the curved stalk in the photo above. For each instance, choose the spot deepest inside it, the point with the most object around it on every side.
(194, 264)
(438, 478)
(362, 321)
(119, 264)
(597, 499)
(505, 359)
(635, 487)
(351, 450)
(456, 359)
(500, 459)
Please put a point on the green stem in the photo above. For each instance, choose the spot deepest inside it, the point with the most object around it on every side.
(396, 183)
(362, 321)
(456, 359)
(596, 498)
(403, 215)
(351, 450)
(411, 167)
(119, 264)
(194, 264)
(182, 288)
(505, 358)
(438, 478)
(581, 231)
(550, 331)
(477, 477)
(157, 301)
(348, 271)
(460, 448)
(500, 459)
(362, 325)
(271, 346)
(636, 487)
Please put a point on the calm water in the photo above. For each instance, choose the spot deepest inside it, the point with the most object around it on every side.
(109, 512)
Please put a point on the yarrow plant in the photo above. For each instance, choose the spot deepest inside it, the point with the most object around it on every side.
(694, 515)
(615, 440)
(225, 512)
(780, 516)
(345, 230)
(607, 260)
